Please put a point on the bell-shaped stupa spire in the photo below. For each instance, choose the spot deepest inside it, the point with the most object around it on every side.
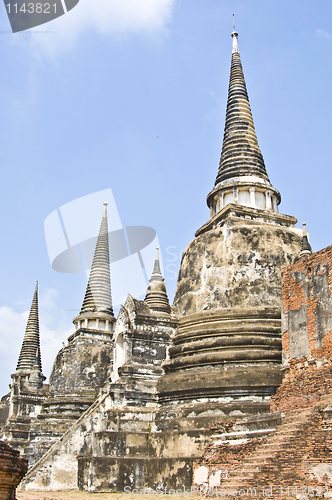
(156, 296)
(98, 293)
(242, 178)
(240, 154)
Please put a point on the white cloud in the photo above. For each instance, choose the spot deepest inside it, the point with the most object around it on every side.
(323, 34)
(54, 329)
(212, 94)
(12, 327)
(107, 17)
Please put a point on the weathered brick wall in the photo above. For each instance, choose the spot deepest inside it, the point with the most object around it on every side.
(307, 331)
(298, 453)
(12, 470)
(221, 461)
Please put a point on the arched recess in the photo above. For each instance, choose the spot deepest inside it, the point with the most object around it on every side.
(119, 356)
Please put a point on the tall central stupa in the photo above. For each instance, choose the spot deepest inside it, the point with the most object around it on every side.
(228, 347)
(131, 400)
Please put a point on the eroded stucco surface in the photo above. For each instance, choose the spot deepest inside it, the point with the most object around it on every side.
(236, 265)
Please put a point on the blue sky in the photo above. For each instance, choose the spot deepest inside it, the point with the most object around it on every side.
(131, 95)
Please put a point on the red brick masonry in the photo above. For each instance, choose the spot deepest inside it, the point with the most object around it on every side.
(12, 470)
(296, 456)
(307, 331)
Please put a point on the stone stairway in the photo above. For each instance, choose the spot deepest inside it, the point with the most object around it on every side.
(57, 416)
(17, 432)
(135, 450)
(262, 459)
(123, 444)
(296, 455)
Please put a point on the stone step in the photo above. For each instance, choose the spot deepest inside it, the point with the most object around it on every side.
(293, 424)
(258, 457)
(20, 420)
(17, 428)
(43, 420)
(248, 471)
(60, 416)
(277, 442)
(265, 454)
(299, 418)
(251, 467)
(47, 434)
(18, 435)
(230, 436)
(275, 448)
(286, 429)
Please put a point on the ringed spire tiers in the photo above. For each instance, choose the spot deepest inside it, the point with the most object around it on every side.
(97, 311)
(242, 177)
(240, 151)
(31, 342)
(29, 366)
(98, 293)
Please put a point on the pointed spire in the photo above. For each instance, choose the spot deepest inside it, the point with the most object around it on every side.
(156, 296)
(98, 293)
(306, 247)
(240, 154)
(156, 274)
(31, 342)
